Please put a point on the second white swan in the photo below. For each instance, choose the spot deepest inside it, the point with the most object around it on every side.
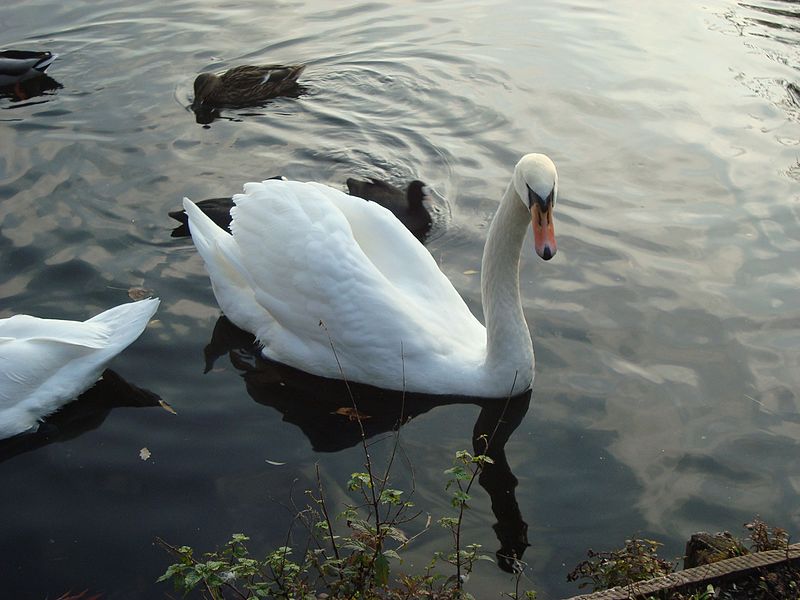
(336, 286)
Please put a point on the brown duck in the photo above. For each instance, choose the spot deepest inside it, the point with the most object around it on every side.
(246, 85)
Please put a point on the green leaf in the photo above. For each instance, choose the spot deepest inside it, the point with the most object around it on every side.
(391, 496)
(381, 570)
(458, 472)
(171, 572)
(395, 534)
(459, 498)
(192, 579)
(358, 481)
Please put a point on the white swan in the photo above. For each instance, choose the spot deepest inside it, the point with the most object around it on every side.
(308, 267)
(45, 363)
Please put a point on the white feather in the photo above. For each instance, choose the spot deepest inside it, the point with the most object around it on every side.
(45, 363)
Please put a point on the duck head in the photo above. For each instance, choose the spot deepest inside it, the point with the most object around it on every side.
(204, 86)
(416, 194)
(536, 183)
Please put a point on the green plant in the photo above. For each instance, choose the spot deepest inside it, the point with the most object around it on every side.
(637, 561)
(354, 565)
(462, 475)
(764, 537)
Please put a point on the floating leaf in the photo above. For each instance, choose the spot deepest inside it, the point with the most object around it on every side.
(139, 293)
(166, 406)
(351, 413)
(144, 453)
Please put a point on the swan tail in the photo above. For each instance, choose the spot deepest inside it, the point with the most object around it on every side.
(229, 280)
(126, 322)
(59, 360)
(213, 242)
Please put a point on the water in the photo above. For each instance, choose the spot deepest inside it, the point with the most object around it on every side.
(666, 329)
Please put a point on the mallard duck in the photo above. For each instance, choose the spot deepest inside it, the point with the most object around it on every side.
(406, 206)
(340, 288)
(19, 65)
(246, 85)
(45, 363)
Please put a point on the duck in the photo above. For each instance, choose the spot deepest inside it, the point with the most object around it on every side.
(339, 288)
(407, 206)
(217, 209)
(245, 85)
(46, 363)
(20, 65)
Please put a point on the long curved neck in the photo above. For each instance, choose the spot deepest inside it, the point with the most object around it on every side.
(508, 344)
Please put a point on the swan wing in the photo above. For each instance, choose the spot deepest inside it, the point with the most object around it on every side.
(330, 269)
(75, 333)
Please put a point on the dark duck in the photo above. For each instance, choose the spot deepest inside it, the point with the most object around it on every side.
(246, 85)
(406, 205)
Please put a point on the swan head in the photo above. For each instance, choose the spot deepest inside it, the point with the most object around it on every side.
(536, 183)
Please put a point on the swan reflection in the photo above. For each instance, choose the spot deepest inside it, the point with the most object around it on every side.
(87, 412)
(325, 412)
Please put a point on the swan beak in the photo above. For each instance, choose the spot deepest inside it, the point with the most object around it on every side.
(544, 234)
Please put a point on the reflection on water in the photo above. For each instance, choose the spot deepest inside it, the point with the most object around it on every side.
(85, 413)
(205, 115)
(334, 415)
(666, 330)
(772, 27)
(21, 91)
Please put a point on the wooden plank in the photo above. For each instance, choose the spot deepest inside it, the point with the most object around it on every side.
(698, 576)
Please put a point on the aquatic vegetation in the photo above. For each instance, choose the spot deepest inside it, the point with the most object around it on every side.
(637, 561)
(355, 564)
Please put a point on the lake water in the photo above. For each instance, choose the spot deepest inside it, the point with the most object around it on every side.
(666, 329)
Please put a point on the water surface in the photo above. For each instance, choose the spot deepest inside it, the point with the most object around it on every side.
(666, 329)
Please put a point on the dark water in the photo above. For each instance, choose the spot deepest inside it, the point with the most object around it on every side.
(666, 329)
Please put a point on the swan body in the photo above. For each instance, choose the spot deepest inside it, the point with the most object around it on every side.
(45, 363)
(337, 287)
(19, 65)
(245, 85)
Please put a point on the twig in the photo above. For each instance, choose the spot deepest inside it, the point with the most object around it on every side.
(325, 513)
(370, 473)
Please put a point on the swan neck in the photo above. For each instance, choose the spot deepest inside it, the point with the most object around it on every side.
(508, 344)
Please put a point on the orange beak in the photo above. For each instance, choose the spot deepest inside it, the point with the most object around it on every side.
(544, 234)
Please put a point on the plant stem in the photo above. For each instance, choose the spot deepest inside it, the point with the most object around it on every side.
(325, 514)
